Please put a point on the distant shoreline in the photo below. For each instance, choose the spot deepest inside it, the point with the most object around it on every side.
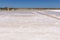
(29, 8)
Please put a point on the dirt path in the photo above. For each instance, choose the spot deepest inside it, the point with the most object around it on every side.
(49, 15)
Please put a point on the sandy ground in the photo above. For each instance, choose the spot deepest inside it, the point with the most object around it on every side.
(28, 25)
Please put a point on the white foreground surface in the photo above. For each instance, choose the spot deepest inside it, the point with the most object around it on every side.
(28, 26)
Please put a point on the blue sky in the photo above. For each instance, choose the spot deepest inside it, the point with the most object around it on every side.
(30, 3)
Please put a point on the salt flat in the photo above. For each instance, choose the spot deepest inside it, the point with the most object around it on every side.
(28, 25)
